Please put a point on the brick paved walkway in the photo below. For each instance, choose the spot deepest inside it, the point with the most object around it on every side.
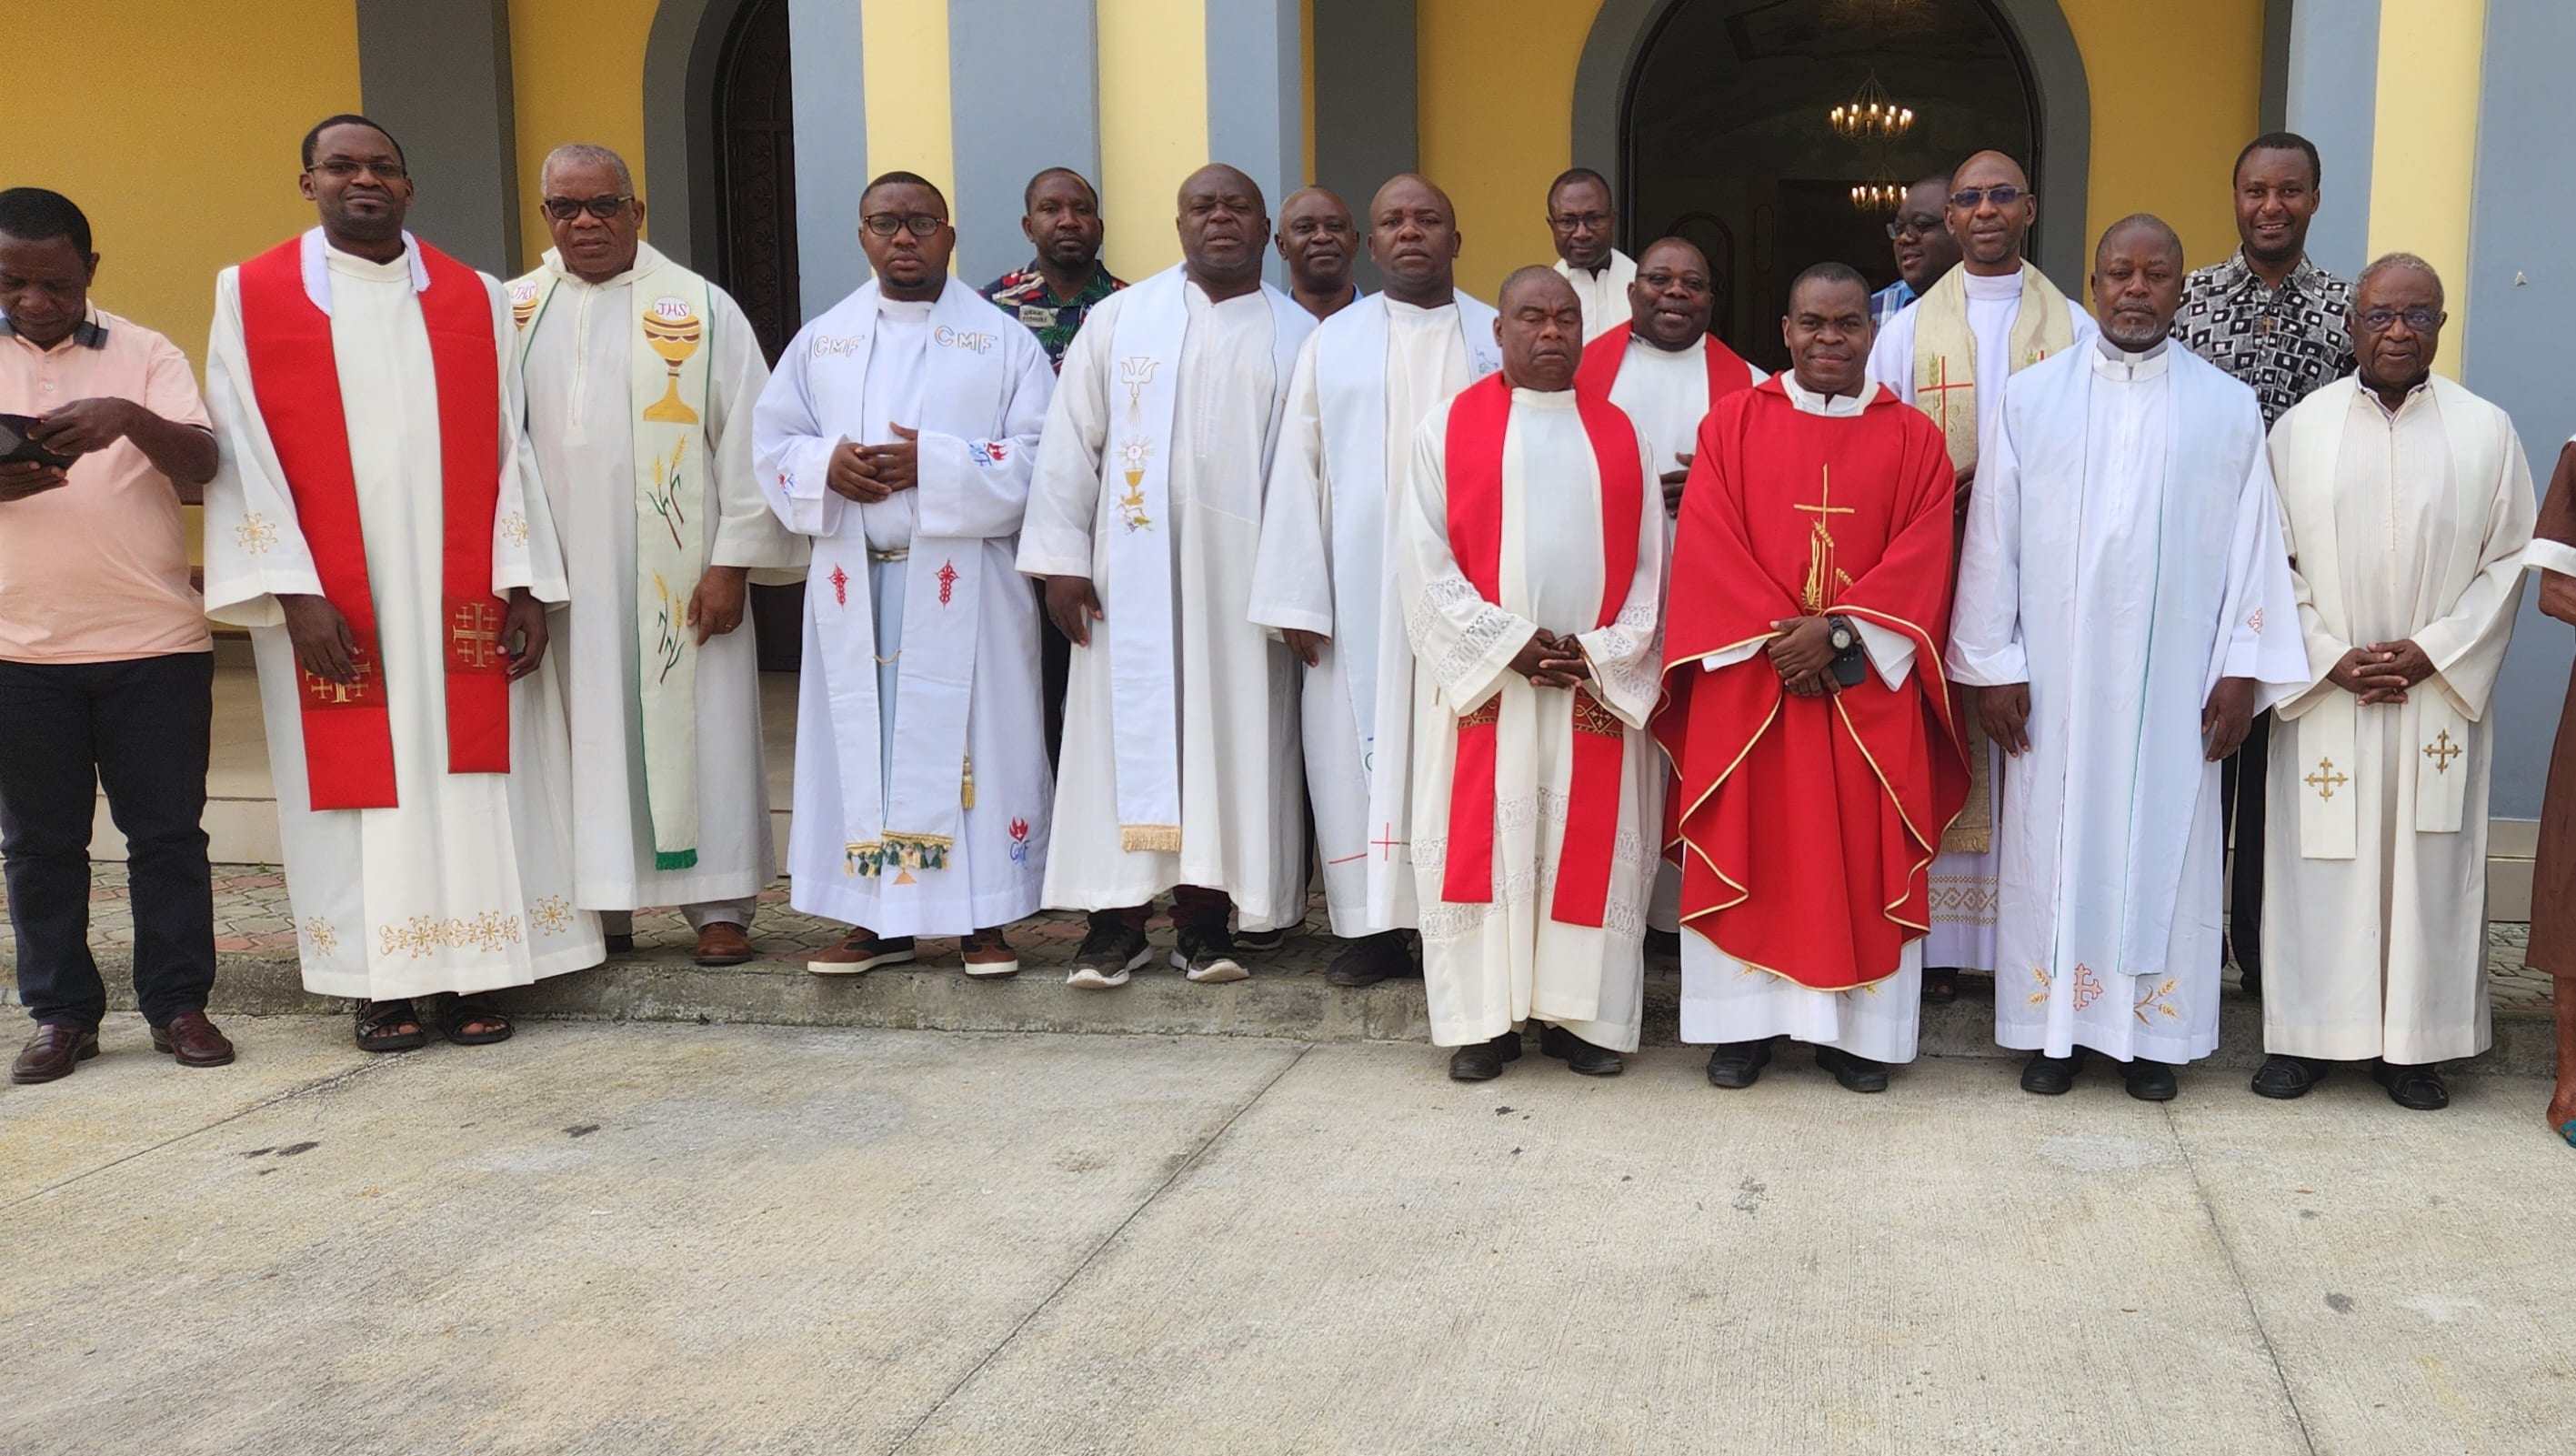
(252, 919)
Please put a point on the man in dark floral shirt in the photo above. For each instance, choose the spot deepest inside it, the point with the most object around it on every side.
(2283, 325)
(1053, 295)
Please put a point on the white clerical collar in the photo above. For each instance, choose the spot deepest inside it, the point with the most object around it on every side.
(646, 260)
(2110, 361)
(905, 308)
(1838, 406)
(1552, 399)
(2000, 285)
(1639, 343)
(1398, 308)
(314, 252)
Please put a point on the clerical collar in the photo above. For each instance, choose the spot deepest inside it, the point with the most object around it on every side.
(1401, 309)
(2001, 285)
(1543, 398)
(1808, 401)
(2119, 355)
(313, 257)
(646, 260)
(905, 307)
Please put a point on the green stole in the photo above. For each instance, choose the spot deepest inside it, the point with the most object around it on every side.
(667, 392)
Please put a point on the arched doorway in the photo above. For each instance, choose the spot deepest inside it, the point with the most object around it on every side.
(756, 172)
(1724, 122)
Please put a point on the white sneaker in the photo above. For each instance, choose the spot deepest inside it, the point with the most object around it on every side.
(1207, 957)
(1107, 957)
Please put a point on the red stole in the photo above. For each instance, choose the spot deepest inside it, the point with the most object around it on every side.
(1727, 371)
(1808, 825)
(1473, 455)
(348, 733)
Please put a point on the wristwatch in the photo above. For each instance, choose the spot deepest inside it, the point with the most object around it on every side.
(1839, 632)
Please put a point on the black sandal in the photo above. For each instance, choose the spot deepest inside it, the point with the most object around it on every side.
(375, 1023)
(1940, 985)
(455, 1011)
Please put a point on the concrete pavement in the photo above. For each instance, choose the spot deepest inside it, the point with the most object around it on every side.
(649, 1239)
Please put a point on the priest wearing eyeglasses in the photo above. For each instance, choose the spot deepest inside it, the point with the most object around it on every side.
(2407, 505)
(641, 377)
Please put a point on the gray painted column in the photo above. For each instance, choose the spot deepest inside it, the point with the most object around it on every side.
(2521, 291)
(437, 73)
(679, 181)
(2065, 104)
(1367, 101)
(1256, 97)
(1025, 86)
(2332, 98)
(831, 149)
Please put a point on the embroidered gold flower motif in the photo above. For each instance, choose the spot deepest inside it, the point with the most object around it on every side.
(322, 935)
(423, 935)
(255, 534)
(551, 915)
(514, 529)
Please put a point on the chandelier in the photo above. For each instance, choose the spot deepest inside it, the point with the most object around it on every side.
(1871, 114)
(1882, 193)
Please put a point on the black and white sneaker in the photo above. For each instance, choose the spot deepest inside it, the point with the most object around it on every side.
(1260, 942)
(1106, 957)
(1206, 955)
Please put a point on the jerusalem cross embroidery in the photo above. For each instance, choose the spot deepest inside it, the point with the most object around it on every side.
(474, 635)
(840, 587)
(947, 580)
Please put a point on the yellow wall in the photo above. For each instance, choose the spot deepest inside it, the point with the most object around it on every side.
(177, 137)
(903, 45)
(576, 75)
(2194, 66)
(1153, 125)
(2425, 144)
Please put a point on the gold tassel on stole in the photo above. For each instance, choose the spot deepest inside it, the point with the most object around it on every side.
(966, 790)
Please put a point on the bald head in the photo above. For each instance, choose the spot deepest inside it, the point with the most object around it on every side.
(1413, 239)
(1992, 229)
(2139, 232)
(2137, 281)
(1319, 241)
(1671, 298)
(1223, 224)
(1540, 328)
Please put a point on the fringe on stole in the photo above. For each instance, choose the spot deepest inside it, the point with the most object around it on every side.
(897, 852)
(1973, 832)
(1163, 838)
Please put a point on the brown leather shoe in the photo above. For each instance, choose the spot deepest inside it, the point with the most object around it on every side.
(52, 1053)
(722, 943)
(193, 1041)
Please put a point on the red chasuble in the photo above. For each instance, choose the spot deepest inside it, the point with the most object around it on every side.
(1727, 371)
(1473, 458)
(1807, 825)
(348, 734)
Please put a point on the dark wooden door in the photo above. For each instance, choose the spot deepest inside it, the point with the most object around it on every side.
(756, 180)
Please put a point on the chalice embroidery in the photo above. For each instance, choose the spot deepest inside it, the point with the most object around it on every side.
(672, 330)
(1133, 452)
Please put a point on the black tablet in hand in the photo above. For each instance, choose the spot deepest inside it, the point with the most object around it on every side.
(15, 446)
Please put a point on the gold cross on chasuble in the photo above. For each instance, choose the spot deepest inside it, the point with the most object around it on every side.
(1941, 388)
(2442, 750)
(474, 635)
(2325, 780)
(1822, 574)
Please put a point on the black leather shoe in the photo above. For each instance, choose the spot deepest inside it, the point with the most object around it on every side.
(1483, 1061)
(2051, 1076)
(191, 1040)
(52, 1053)
(1579, 1055)
(1371, 959)
(2150, 1081)
(1856, 1073)
(1738, 1063)
(2284, 1077)
(2415, 1088)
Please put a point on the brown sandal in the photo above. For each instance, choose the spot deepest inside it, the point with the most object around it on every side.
(455, 1013)
(376, 1021)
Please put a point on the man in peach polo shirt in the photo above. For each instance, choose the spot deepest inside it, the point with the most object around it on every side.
(105, 666)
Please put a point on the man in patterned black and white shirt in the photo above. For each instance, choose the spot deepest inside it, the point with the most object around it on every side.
(2284, 326)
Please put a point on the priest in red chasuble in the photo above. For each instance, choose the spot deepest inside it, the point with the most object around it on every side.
(1529, 567)
(377, 526)
(1818, 750)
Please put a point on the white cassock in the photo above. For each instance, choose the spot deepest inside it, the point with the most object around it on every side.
(1364, 379)
(466, 885)
(581, 424)
(2404, 527)
(1725, 1000)
(2123, 554)
(1604, 295)
(1487, 967)
(921, 637)
(1664, 393)
(1964, 885)
(1233, 682)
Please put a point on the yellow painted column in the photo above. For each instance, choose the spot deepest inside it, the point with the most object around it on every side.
(2425, 147)
(904, 49)
(1153, 125)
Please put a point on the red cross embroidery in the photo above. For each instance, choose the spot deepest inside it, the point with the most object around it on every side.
(947, 581)
(840, 586)
(1386, 842)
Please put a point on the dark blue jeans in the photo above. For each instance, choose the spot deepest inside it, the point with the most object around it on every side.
(137, 728)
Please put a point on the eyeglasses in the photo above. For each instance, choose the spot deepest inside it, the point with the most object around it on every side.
(887, 224)
(565, 209)
(340, 169)
(1594, 220)
(1921, 227)
(1966, 199)
(2421, 320)
(1658, 281)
